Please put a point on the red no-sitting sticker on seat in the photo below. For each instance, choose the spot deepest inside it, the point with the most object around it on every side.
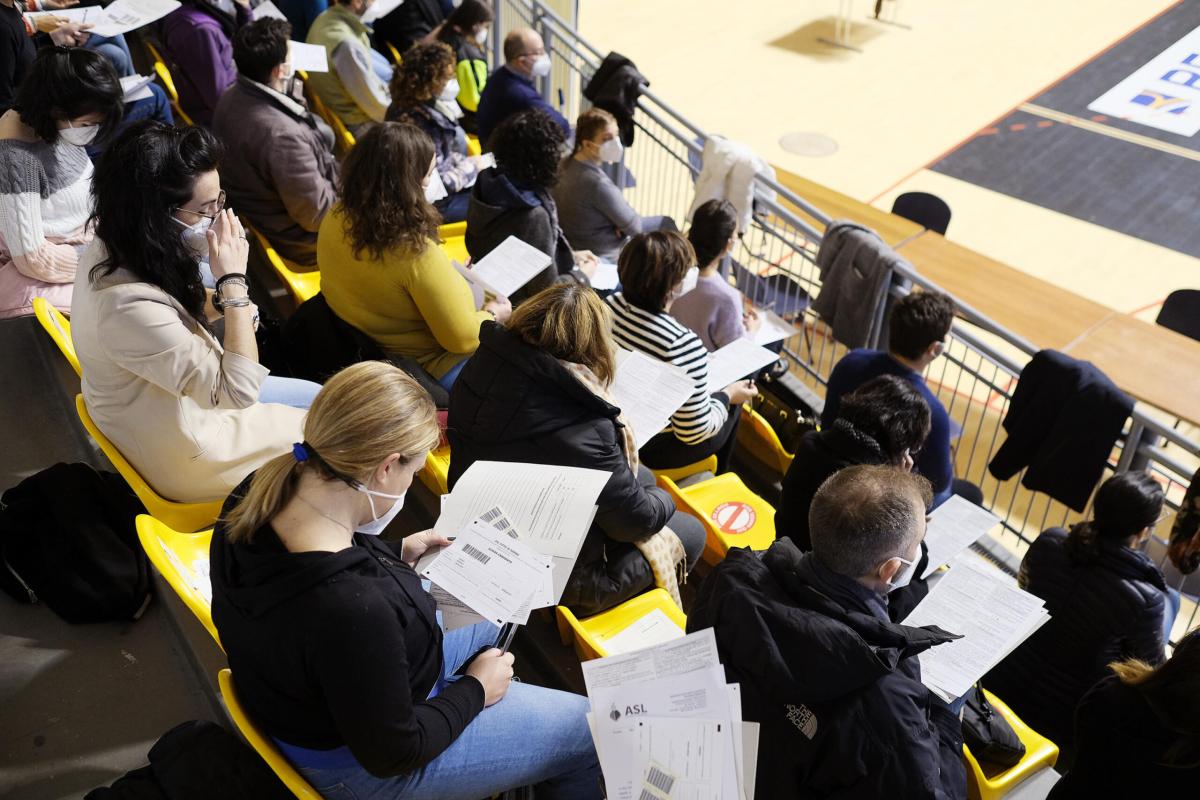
(734, 517)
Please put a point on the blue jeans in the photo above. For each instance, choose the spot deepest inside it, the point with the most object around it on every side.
(447, 380)
(1170, 611)
(532, 737)
(288, 391)
(453, 208)
(115, 50)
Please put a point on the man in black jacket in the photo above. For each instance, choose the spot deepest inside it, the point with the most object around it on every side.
(835, 685)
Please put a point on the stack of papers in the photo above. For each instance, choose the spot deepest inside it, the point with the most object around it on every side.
(667, 725)
(309, 57)
(648, 392)
(508, 267)
(606, 277)
(774, 328)
(738, 359)
(122, 16)
(953, 527)
(136, 87)
(985, 607)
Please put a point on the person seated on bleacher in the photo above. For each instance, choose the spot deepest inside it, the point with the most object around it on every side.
(917, 331)
(355, 87)
(510, 88)
(69, 100)
(423, 94)
(333, 641)
(1107, 601)
(302, 14)
(192, 415)
(651, 268)
(197, 39)
(514, 199)
(834, 683)
(1137, 733)
(537, 391)
(594, 214)
(382, 270)
(884, 421)
(466, 31)
(278, 167)
(713, 309)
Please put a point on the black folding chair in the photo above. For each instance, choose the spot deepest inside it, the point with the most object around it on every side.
(927, 210)
(1181, 312)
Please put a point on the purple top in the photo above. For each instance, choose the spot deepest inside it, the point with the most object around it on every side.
(202, 58)
(713, 311)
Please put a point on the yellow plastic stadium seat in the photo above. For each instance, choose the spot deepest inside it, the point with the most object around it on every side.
(759, 439)
(733, 515)
(182, 559)
(707, 465)
(455, 247)
(168, 83)
(473, 146)
(180, 516)
(451, 229)
(589, 635)
(59, 328)
(261, 743)
(342, 135)
(436, 473)
(302, 285)
(396, 57)
(1040, 754)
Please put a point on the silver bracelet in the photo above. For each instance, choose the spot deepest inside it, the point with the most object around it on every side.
(235, 302)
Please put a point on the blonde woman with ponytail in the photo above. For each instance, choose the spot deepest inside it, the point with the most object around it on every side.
(335, 644)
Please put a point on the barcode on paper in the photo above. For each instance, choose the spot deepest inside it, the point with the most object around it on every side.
(648, 795)
(476, 554)
(660, 780)
(495, 513)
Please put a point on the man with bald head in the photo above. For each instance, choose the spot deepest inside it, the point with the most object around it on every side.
(510, 88)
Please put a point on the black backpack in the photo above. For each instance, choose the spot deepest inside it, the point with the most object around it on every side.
(67, 539)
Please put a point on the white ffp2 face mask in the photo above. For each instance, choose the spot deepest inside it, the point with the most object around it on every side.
(378, 524)
(541, 66)
(81, 136)
(481, 36)
(449, 91)
(435, 190)
(611, 151)
(195, 236)
(904, 576)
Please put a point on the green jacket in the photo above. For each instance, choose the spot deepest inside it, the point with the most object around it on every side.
(335, 26)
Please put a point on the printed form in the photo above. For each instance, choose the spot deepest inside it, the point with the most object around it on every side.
(509, 267)
(953, 527)
(735, 361)
(648, 392)
(124, 16)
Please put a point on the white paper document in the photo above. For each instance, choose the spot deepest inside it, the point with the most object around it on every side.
(953, 527)
(491, 573)
(689, 754)
(735, 361)
(380, 9)
(695, 651)
(552, 507)
(136, 87)
(648, 392)
(267, 9)
(774, 328)
(987, 609)
(509, 267)
(605, 278)
(654, 628)
(309, 57)
(124, 16)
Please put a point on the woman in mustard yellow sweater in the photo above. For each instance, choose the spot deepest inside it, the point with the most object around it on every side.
(381, 268)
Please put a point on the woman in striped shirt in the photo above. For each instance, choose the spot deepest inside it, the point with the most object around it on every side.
(651, 268)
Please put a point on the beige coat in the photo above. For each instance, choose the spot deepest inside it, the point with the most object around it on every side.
(184, 412)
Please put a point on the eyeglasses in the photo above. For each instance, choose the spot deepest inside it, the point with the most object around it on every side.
(219, 203)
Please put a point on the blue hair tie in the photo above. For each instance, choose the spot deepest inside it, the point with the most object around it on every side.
(300, 452)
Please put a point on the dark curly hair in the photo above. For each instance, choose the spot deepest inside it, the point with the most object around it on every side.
(528, 147)
(383, 203)
(420, 77)
(141, 178)
(892, 412)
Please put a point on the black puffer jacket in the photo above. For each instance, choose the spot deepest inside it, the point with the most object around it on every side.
(513, 402)
(836, 690)
(1107, 610)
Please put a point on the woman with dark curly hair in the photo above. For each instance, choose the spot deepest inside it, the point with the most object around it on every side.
(514, 200)
(423, 94)
(381, 268)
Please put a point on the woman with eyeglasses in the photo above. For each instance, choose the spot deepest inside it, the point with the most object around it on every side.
(69, 100)
(193, 415)
(1107, 601)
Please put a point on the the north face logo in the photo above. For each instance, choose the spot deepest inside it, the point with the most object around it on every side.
(803, 718)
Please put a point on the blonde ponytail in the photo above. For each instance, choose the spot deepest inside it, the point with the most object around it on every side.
(361, 415)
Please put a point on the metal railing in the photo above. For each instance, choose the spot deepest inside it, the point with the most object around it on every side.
(775, 264)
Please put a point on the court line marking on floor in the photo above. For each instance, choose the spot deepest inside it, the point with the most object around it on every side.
(1109, 131)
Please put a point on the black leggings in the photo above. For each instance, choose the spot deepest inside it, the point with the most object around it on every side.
(665, 451)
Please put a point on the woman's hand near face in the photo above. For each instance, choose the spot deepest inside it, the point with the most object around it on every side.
(228, 248)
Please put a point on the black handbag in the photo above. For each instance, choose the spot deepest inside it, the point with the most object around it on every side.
(780, 401)
(987, 733)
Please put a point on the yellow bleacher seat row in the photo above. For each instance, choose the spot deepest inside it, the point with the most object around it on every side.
(1040, 754)
(182, 559)
(302, 285)
(343, 138)
(590, 635)
(761, 441)
(58, 326)
(180, 516)
(262, 743)
(435, 474)
(733, 516)
(168, 83)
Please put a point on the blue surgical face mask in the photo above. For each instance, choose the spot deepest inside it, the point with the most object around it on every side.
(378, 523)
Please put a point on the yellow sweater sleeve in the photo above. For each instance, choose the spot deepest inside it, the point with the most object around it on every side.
(445, 301)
